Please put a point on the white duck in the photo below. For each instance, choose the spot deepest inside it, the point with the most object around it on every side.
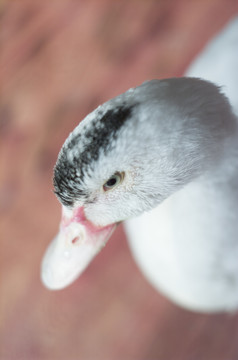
(166, 152)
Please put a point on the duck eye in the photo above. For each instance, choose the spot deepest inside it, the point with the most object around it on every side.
(113, 181)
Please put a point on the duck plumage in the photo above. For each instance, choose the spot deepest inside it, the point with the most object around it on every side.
(169, 148)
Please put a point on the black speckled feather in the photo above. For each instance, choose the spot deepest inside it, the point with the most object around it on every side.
(69, 175)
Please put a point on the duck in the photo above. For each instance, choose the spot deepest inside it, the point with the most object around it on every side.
(163, 159)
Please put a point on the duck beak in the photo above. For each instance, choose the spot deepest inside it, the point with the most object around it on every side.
(76, 244)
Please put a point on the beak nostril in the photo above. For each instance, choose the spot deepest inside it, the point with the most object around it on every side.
(75, 240)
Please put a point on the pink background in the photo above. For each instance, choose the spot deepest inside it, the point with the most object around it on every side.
(58, 61)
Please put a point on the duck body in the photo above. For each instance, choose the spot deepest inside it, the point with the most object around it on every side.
(163, 158)
(187, 247)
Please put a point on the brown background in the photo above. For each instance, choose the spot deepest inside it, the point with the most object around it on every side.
(58, 61)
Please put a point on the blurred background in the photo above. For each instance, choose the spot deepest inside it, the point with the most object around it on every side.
(58, 61)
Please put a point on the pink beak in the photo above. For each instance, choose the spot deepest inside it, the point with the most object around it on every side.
(76, 244)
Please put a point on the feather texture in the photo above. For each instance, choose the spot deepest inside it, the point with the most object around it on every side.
(176, 142)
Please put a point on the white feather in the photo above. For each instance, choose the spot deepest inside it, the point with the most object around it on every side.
(178, 148)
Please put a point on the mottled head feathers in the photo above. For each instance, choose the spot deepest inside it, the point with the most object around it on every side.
(82, 149)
